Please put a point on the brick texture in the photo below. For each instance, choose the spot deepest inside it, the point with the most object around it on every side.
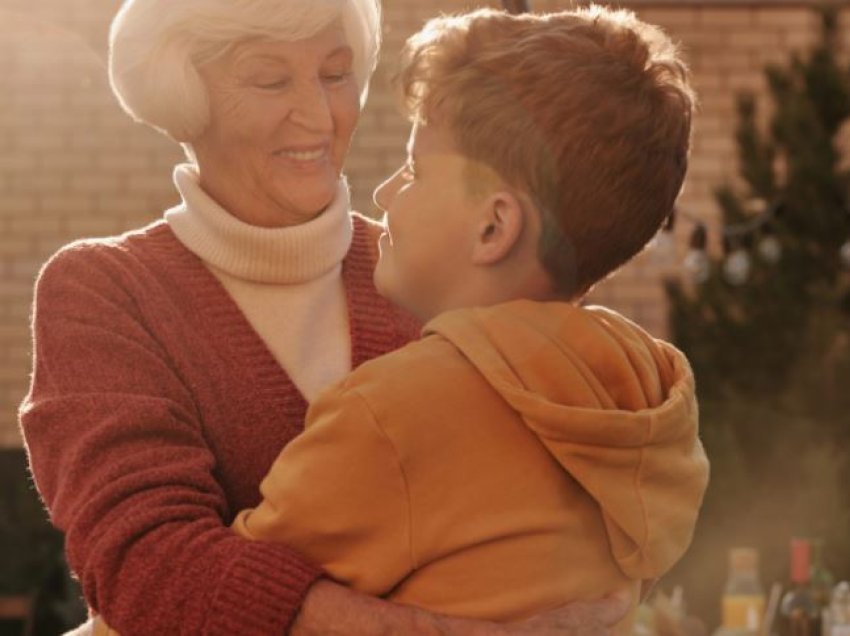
(72, 164)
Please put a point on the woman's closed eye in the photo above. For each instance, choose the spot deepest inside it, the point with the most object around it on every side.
(272, 84)
(337, 77)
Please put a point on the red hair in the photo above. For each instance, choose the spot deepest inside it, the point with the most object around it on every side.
(587, 112)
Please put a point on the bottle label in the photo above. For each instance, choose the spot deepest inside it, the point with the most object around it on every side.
(799, 622)
(743, 611)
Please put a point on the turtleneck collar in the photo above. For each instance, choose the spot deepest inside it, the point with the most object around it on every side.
(282, 256)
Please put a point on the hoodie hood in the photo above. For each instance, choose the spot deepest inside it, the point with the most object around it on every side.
(614, 406)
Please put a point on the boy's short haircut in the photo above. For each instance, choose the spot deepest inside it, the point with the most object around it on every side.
(587, 113)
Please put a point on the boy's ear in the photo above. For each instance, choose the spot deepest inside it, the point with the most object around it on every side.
(499, 229)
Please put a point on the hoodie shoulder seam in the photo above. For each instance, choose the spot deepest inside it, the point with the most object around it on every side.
(404, 477)
(638, 480)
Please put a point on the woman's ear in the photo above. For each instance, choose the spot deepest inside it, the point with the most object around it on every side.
(499, 230)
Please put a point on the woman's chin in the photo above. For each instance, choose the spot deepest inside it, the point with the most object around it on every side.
(308, 205)
(311, 196)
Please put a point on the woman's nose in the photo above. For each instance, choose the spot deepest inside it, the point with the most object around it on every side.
(311, 108)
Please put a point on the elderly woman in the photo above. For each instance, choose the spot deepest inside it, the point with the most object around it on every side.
(172, 363)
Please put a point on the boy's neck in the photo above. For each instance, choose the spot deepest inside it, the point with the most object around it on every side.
(489, 292)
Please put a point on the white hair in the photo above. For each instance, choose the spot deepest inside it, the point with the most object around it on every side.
(156, 47)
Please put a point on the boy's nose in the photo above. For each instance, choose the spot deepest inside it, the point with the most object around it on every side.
(382, 196)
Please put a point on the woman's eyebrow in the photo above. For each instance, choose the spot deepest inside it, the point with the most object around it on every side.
(248, 58)
(340, 50)
(264, 59)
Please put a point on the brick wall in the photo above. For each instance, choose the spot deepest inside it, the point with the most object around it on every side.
(72, 164)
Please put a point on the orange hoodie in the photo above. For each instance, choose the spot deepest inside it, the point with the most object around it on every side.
(515, 458)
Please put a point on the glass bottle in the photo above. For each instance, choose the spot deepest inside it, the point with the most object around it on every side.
(839, 611)
(799, 613)
(743, 598)
(822, 579)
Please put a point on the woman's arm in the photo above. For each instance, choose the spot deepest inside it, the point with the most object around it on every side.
(121, 460)
(334, 610)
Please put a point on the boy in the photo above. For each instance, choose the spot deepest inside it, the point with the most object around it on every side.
(527, 451)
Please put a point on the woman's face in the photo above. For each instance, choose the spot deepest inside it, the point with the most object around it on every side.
(281, 119)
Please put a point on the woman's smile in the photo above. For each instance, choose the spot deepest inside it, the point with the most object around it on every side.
(305, 159)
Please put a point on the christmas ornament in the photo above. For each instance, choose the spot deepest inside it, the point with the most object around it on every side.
(845, 254)
(770, 249)
(757, 206)
(697, 266)
(663, 247)
(736, 268)
(663, 244)
(696, 263)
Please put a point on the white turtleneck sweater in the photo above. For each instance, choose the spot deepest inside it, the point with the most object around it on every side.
(287, 281)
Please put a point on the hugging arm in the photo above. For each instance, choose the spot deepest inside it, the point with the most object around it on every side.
(119, 457)
(333, 610)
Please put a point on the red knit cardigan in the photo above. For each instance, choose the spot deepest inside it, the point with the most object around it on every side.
(154, 412)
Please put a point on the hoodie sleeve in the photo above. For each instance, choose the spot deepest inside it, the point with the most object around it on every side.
(338, 495)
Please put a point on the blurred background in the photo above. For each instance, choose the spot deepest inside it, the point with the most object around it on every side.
(750, 278)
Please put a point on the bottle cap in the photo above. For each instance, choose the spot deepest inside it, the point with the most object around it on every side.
(800, 560)
(743, 559)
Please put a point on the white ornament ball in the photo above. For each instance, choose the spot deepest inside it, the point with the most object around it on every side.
(697, 266)
(737, 267)
(663, 247)
(756, 205)
(770, 249)
(845, 254)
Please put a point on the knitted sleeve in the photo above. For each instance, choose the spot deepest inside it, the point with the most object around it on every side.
(338, 494)
(119, 456)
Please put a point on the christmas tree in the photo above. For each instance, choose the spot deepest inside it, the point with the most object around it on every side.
(767, 329)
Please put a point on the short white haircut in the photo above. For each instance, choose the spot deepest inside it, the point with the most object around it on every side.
(157, 46)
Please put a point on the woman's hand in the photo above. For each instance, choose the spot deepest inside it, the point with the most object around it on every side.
(582, 618)
(330, 609)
